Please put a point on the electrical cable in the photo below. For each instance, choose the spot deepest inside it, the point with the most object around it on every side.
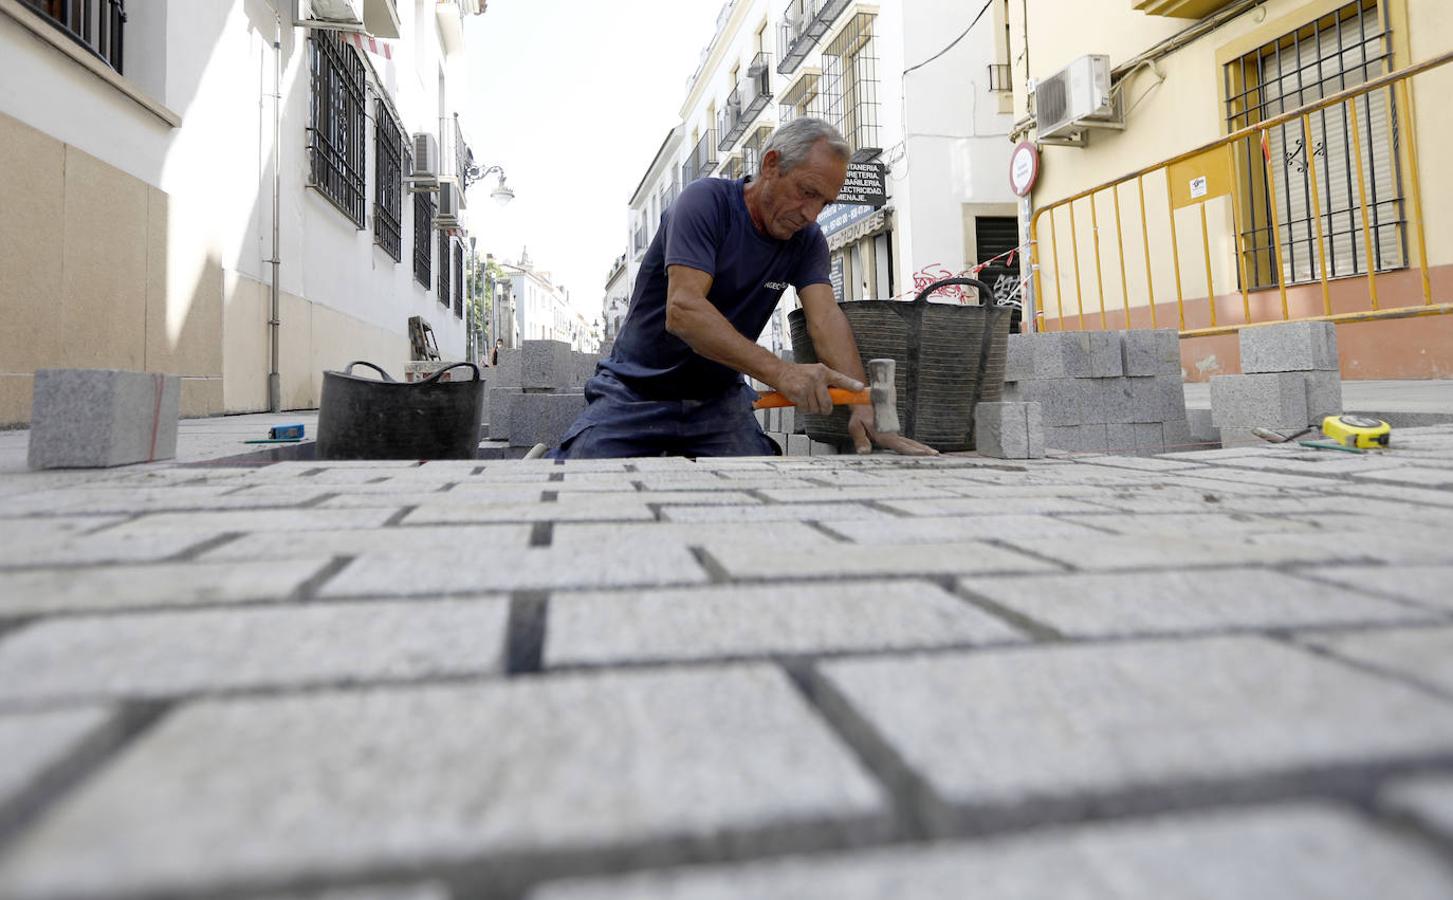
(955, 40)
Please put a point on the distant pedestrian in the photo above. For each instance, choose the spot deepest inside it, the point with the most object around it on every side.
(494, 355)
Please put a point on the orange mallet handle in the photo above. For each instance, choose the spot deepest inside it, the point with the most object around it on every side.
(840, 397)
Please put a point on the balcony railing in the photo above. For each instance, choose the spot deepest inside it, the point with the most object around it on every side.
(734, 167)
(747, 101)
(804, 22)
(729, 120)
(702, 160)
(455, 157)
(1000, 78)
(97, 25)
(638, 239)
(753, 148)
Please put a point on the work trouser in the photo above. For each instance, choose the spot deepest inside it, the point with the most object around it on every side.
(617, 422)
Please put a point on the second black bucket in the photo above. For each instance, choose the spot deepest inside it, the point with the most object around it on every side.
(949, 358)
(364, 418)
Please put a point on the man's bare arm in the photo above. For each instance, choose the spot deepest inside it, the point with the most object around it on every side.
(692, 318)
(832, 338)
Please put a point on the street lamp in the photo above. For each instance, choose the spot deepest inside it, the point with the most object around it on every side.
(502, 193)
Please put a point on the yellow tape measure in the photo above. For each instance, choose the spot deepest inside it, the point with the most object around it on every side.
(1357, 432)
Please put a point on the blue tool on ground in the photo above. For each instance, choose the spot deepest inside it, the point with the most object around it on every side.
(281, 434)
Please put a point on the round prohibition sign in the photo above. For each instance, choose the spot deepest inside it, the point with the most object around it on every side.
(1024, 168)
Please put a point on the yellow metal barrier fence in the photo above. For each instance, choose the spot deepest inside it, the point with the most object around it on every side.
(1211, 172)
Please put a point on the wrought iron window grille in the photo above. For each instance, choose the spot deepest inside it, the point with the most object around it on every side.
(1340, 50)
(336, 124)
(388, 192)
(99, 26)
(458, 280)
(441, 290)
(802, 98)
(850, 85)
(423, 231)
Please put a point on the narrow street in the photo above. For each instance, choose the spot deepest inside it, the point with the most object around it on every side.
(482, 679)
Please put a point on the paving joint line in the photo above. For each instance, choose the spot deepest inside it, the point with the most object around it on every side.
(1412, 827)
(716, 573)
(1296, 642)
(193, 551)
(64, 776)
(525, 632)
(1347, 783)
(1039, 631)
(397, 516)
(917, 809)
(308, 589)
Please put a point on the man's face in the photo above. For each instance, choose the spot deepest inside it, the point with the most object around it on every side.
(792, 200)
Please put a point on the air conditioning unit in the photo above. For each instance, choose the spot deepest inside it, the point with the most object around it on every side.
(424, 168)
(343, 12)
(451, 203)
(1070, 102)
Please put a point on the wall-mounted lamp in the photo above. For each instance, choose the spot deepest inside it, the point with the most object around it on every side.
(502, 193)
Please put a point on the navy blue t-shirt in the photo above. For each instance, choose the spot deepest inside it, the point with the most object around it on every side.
(708, 228)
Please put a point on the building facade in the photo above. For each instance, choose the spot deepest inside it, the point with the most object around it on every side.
(542, 308)
(926, 116)
(182, 169)
(1267, 199)
(617, 299)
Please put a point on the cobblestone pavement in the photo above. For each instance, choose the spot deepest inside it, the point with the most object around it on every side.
(1215, 674)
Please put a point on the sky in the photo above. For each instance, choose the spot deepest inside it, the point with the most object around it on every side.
(573, 98)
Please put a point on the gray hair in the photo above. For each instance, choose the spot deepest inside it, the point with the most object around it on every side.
(794, 140)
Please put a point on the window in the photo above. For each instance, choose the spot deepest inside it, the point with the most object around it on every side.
(458, 280)
(388, 189)
(97, 25)
(802, 99)
(423, 229)
(1340, 50)
(850, 83)
(336, 123)
(442, 290)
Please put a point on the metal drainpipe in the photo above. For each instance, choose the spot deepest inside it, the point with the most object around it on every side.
(274, 321)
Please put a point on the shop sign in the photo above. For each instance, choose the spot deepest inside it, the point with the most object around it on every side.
(866, 184)
(835, 275)
(836, 217)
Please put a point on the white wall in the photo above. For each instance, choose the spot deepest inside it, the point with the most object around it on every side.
(955, 142)
(212, 63)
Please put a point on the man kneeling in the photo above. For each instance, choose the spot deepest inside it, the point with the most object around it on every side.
(725, 252)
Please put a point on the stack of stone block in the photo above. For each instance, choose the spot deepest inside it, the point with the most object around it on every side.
(1102, 391)
(1290, 382)
(536, 392)
(1009, 430)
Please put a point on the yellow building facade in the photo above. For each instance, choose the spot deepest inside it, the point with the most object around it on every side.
(1341, 212)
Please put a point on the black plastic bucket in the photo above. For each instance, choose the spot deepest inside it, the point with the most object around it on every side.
(949, 358)
(361, 418)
